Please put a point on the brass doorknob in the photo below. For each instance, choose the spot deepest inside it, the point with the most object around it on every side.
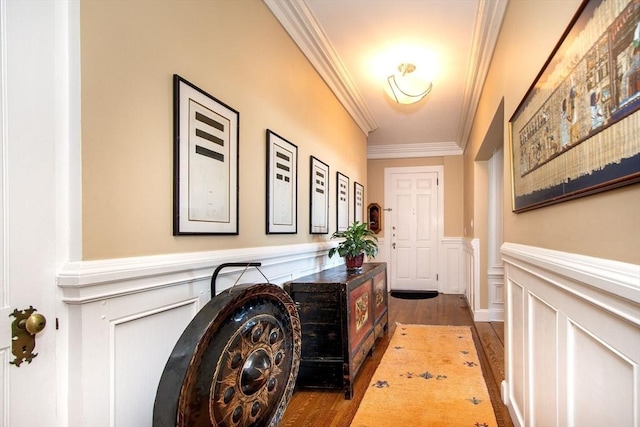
(34, 323)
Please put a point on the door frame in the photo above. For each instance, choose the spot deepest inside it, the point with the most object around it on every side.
(388, 201)
(54, 80)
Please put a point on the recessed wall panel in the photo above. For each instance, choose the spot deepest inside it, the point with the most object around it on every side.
(517, 347)
(543, 366)
(599, 377)
(137, 370)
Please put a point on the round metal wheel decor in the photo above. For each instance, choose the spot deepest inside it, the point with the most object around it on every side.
(235, 364)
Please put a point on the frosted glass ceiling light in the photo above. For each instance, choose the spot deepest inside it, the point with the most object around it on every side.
(406, 87)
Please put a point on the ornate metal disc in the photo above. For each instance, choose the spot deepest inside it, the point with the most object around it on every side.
(235, 364)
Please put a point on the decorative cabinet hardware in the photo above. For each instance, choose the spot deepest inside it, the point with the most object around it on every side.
(24, 328)
(394, 245)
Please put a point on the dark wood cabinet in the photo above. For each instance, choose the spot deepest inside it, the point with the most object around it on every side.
(341, 316)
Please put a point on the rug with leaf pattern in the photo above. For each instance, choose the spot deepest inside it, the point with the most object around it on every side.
(428, 376)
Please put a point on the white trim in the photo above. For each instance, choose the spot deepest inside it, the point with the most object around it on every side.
(453, 261)
(482, 315)
(472, 275)
(495, 223)
(399, 151)
(615, 277)
(87, 281)
(485, 35)
(5, 309)
(299, 22)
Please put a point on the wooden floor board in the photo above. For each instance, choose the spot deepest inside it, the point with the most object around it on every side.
(328, 408)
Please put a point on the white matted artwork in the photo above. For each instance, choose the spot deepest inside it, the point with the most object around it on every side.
(282, 185)
(206, 136)
(358, 202)
(342, 201)
(319, 197)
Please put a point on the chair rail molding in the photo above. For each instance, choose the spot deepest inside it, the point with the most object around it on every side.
(86, 281)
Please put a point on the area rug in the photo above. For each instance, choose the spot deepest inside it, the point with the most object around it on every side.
(428, 376)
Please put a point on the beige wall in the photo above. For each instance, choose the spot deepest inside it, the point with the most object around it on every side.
(238, 53)
(606, 225)
(453, 179)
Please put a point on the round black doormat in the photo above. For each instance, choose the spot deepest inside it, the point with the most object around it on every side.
(414, 295)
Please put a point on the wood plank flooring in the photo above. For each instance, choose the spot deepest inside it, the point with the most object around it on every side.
(328, 408)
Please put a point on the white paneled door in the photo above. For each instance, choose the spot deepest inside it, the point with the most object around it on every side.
(30, 125)
(412, 208)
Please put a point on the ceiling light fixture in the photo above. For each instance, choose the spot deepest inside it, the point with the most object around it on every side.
(406, 87)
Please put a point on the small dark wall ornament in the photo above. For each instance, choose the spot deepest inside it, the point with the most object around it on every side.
(374, 217)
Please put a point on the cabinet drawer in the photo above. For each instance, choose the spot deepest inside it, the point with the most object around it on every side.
(320, 374)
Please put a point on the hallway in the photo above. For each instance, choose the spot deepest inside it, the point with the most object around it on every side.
(329, 408)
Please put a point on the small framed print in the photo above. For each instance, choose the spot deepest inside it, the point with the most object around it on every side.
(342, 201)
(282, 185)
(319, 197)
(206, 137)
(358, 202)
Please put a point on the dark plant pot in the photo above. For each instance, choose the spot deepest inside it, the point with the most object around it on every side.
(354, 264)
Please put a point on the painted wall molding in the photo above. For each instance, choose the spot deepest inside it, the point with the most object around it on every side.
(592, 275)
(85, 281)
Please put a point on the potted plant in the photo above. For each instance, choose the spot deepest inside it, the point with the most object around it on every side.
(358, 242)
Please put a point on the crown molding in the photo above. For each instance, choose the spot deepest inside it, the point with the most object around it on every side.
(487, 28)
(299, 22)
(430, 149)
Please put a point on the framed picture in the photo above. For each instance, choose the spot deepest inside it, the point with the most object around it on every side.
(576, 131)
(282, 185)
(374, 213)
(206, 137)
(319, 197)
(342, 201)
(358, 202)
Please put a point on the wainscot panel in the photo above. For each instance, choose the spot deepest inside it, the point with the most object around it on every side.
(124, 316)
(572, 334)
(453, 272)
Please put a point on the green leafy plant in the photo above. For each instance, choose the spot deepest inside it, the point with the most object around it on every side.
(358, 239)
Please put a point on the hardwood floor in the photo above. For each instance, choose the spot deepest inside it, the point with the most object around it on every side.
(328, 408)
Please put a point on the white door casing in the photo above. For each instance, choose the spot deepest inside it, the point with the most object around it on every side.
(34, 126)
(414, 211)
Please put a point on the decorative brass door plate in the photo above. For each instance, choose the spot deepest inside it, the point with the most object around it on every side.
(24, 328)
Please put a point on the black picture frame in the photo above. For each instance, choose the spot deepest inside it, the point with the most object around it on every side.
(282, 185)
(575, 133)
(358, 202)
(342, 201)
(319, 197)
(206, 162)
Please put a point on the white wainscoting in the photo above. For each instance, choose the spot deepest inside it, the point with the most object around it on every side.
(452, 280)
(495, 287)
(123, 317)
(472, 280)
(572, 339)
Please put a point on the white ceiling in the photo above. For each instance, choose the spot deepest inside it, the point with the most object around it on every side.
(356, 44)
